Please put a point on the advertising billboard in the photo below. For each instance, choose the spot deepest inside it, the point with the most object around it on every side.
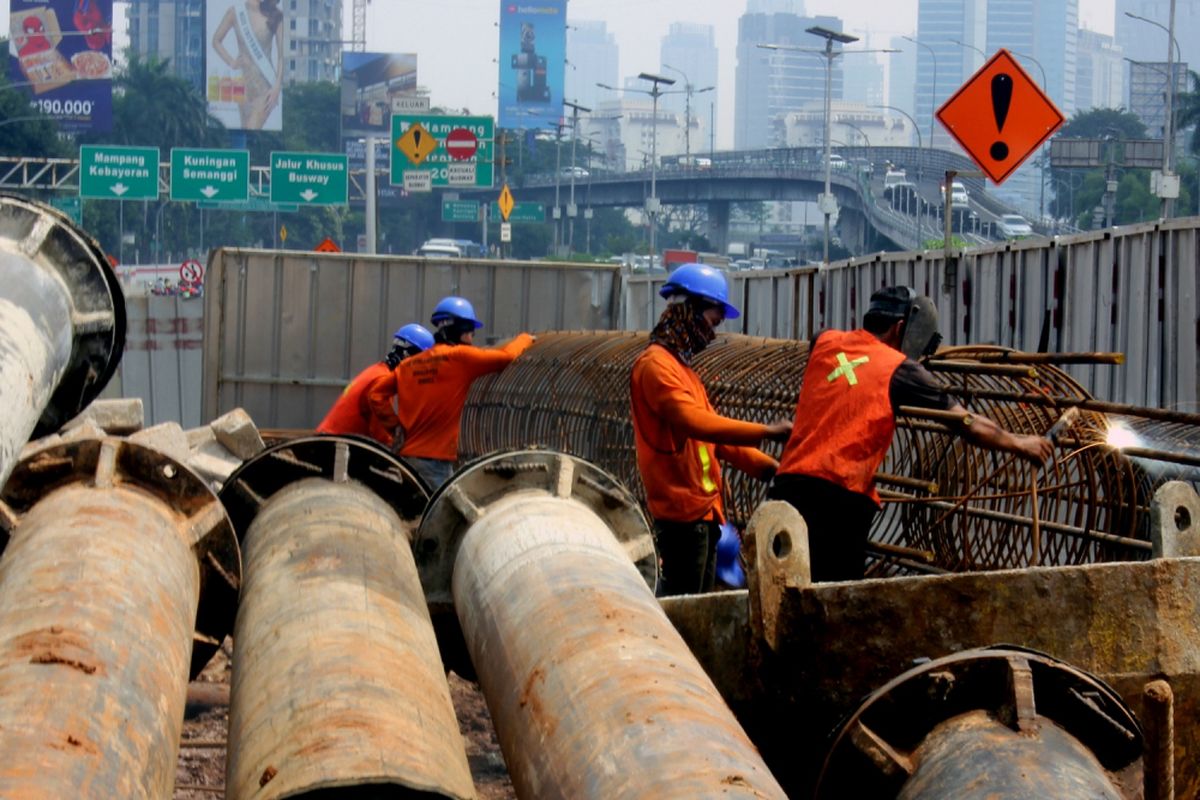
(370, 81)
(244, 64)
(533, 44)
(60, 54)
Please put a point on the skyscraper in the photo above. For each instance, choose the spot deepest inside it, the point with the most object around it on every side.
(902, 76)
(690, 50)
(592, 55)
(1041, 35)
(1142, 41)
(770, 83)
(1099, 72)
(943, 65)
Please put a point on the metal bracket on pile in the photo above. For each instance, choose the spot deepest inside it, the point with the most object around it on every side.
(1175, 521)
(479, 483)
(111, 462)
(777, 548)
(47, 237)
(334, 458)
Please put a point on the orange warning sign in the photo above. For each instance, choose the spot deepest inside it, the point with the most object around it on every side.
(328, 246)
(1000, 116)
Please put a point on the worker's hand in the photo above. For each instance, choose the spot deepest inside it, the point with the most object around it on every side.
(1035, 449)
(779, 431)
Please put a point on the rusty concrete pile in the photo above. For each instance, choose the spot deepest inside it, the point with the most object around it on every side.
(129, 555)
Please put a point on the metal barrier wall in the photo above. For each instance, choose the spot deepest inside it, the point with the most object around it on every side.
(287, 330)
(1129, 289)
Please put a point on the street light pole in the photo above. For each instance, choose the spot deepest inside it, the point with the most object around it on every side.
(933, 89)
(1169, 127)
(575, 109)
(687, 111)
(652, 202)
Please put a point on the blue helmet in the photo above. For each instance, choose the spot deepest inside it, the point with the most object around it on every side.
(449, 308)
(413, 335)
(729, 566)
(702, 281)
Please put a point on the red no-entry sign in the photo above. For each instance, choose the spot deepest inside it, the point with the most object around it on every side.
(461, 144)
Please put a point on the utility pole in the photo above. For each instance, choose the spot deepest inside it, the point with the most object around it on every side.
(571, 208)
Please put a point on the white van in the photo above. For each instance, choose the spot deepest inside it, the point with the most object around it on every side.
(893, 177)
(450, 248)
(958, 193)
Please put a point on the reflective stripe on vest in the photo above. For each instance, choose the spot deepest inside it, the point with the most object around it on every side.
(706, 479)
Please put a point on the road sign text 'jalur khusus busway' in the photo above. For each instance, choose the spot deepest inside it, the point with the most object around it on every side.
(1000, 116)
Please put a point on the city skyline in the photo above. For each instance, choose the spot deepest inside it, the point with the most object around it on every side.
(456, 40)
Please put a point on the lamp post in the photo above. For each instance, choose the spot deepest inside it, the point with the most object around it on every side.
(1169, 127)
(557, 213)
(933, 89)
(970, 47)
(861, 132)
(827, 203)
(575, 109)
(651, 201)
(687, 111)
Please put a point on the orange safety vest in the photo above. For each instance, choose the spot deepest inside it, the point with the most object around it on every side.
(682, 476)
(350, 414)
(844, 419)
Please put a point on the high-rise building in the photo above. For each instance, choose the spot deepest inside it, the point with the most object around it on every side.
(591, 58)
(949, 35)
(902, 76)
(1099, 72)
(175, 30)
(863, 82)
(1142, 41)
(689, 54)
(170, 30)
(1041, 35)
(1148, 92)
(770, 83)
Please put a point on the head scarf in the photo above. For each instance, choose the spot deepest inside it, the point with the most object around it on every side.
(683, 330)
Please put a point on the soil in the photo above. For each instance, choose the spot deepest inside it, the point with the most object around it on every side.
(200, 772)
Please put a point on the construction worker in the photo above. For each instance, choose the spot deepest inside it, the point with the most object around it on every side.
(350, 413)
(433, 386)
(853, 384)
(681, 439)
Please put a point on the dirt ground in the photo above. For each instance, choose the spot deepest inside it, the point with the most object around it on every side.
(200, 772)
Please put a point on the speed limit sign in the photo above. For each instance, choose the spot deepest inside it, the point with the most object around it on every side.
(191, 271)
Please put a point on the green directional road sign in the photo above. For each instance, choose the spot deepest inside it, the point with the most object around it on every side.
(460, 211)
(72, 206)
(111, 172)
(522, 212)
(462, 157)
(251, 204)
(209, 174)
(310, 179)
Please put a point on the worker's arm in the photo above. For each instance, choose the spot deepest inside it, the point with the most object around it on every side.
(750, 460)
(671, 399)
(379, 400)
(986, 433)
(478, 361)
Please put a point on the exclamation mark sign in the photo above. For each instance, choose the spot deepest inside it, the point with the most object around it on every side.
(1002, 89)
(417, 139)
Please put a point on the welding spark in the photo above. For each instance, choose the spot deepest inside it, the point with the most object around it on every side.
(1119, 436)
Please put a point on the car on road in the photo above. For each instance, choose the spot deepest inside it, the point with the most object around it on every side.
(1013, 226)
(577, 172)
(837, 162)
(958, 193)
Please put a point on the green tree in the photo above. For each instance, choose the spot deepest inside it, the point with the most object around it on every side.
(1187, 112)
(1131, 202)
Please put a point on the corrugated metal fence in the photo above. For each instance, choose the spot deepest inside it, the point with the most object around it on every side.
(283, 331)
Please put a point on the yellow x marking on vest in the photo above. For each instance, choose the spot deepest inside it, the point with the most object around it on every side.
(846, 367)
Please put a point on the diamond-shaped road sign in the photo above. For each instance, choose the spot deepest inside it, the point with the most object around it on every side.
(505, 202)
(1000, 116)
(417, 143)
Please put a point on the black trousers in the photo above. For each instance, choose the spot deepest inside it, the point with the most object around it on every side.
(689, 556)
(838, 523)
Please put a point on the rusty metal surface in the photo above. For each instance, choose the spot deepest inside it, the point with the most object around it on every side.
(63, 316)
(111, 550)
(990, 724)
(337, 680)
(949, 506)
(592, 691)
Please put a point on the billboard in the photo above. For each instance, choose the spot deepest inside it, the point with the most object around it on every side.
(533, 43)
(60, 54)
(369, 83)
(244, 64)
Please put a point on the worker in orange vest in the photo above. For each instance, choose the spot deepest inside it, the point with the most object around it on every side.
(853, 384)
(350, 413)
(433, 386)
(681, 439)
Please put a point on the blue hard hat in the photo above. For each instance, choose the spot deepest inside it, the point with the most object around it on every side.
(729, 565)
(452, 307)
(702, 281)
(413, 335)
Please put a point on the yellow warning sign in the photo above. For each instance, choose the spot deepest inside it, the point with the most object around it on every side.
(505, 202)
(417, 143)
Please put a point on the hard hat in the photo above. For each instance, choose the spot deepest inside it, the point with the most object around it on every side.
(702, 281)
(454, 308)
(729, 566)
(413, 335)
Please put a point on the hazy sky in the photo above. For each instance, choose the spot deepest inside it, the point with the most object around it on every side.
(456, 41)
